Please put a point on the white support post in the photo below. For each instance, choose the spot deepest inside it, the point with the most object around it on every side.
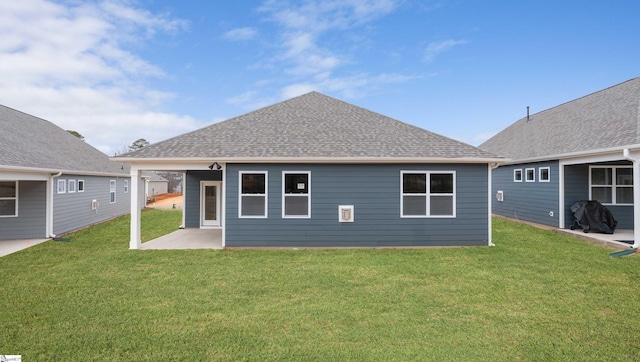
(634, 157)
(490, 203)
(135, 242)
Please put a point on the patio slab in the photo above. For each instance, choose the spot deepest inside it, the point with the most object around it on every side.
(11, 246)
(190, 238)
(611, 240)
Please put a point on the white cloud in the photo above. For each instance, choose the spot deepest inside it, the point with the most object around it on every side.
(436, 48)
(71, 63)
(240, 34)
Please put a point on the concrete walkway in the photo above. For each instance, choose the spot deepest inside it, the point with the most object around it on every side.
(611, 240)
(11, 246)
(187, 239)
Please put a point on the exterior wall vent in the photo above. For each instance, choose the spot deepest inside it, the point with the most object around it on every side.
(500, 196)
(345, 213)
(95, 204)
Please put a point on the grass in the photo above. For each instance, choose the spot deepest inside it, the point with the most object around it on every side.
(536, 295)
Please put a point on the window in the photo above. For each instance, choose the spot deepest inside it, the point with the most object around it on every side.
(530, 175)
(428, 194)
(544, 174)
(80, 185)
(126, 186)
(296, 201)
(253, 194)
(517, 175)
(611, 185)
(62, 186)
(72, 186)
(112, 191)
(8, 198)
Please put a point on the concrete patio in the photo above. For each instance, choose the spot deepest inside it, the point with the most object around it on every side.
(611, 240)
(11, 246)
(186, 239)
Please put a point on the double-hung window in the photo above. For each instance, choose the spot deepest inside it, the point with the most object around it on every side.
(62, 186)
(112, 191)
(72, 186)
(253, 194)
(296, 194)
(8, 198)
(611, 185)
(428, 194)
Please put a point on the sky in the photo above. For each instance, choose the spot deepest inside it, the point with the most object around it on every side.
(119, 70)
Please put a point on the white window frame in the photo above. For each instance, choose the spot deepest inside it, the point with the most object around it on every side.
(548, 179)
(126, 186)
(71, 189)
(428, 194)
(80, 185)
(62, 187)
(14, 198)
(533, 174)
(613, 186)
(308, 194)
(515, 172)
(266, 195)
(112, 191)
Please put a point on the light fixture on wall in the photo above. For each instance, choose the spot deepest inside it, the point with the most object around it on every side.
(215, 167)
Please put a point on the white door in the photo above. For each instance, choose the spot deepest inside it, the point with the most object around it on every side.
(209, 203)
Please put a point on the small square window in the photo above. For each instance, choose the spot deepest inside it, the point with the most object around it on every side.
(72, 186)
(80, 185)
(62, 186)
(544, 174)
(517, 175)
(530, 175)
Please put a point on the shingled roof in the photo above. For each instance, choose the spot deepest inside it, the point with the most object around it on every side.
(28, 142)
(310, 126)
(601, 120)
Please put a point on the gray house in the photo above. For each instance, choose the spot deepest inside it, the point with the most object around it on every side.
(154, 184)
(316, 171)
(586, 149)
(52, 182)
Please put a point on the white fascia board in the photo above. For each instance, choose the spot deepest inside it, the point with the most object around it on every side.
(197, 163)
(23, 176)
(599, 155)
(35, 170)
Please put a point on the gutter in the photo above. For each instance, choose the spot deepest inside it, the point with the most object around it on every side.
(492, 166)
(49, 211)
(636, 195)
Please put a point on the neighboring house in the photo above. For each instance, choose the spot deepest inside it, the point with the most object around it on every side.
(584, 149)
(316, 171)
(52, 182)
(154, 184)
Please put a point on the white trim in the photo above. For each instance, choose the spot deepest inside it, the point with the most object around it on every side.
(428, 194)
(63, 189)
(266, 195)
(23, 176)
(613, 186)
(548, 179)
(202, 163)
(69, 188)
(14, 198)
(112, 190)
(213, 223)
(35, 170)
(526, 174)
(576, 157)
(135, 241)
(516, 171)
(223, 213)
(308, 195)
(561, 210)
(184, 192)
(83, 183)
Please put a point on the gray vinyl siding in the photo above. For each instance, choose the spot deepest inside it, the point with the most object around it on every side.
(577, 189)
(72, 211)
(192, 195)
(530, 201)
(32, 212)
(374, 191)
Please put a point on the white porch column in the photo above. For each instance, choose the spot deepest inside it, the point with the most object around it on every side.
(135, 242)
(634, 156)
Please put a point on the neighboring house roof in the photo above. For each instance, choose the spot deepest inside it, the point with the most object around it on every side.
(32, 143)
(601, 120)
(309, 126)
(153, 177)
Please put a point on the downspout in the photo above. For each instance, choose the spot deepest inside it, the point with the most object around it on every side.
(492, 166)
(636, 196)
(49, 206)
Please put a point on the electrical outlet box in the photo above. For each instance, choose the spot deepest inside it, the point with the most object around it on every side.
(345, 213)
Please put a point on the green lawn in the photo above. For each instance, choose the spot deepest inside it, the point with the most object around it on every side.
(535, 296)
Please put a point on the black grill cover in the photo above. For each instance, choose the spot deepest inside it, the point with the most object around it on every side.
(592, 216)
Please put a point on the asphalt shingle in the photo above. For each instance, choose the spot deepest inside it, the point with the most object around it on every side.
(310, 126)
